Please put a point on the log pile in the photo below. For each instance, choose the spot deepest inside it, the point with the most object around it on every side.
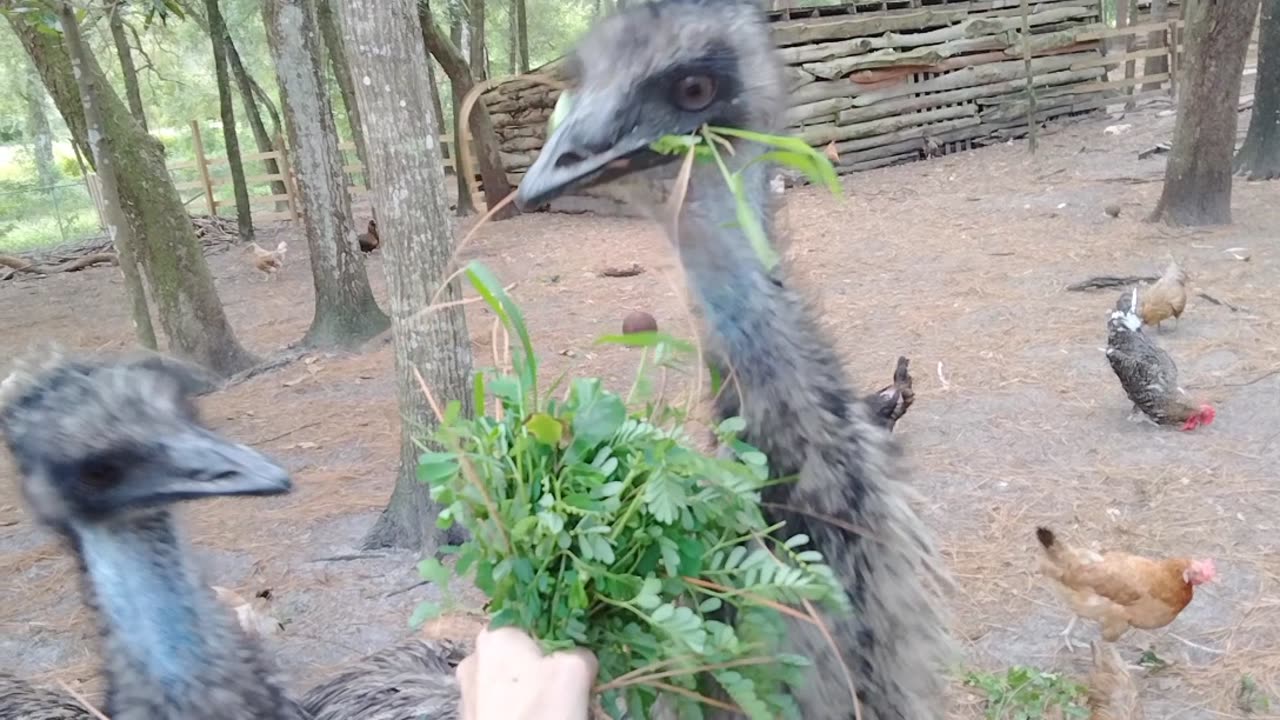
(886, 86)
(215, 234)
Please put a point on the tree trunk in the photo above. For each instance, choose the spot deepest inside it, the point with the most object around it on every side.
(248, 99)
(1259, 157)
(1159, 64)
(513, 38)
(385, 44)
(484, 136)
(50, 58)
(458, 33)
(53, 66)
(219, 38)
(475, 12)
(128, 70)
(437, 108)
(190, 311)
(346, 313)
(522, 33)
(332, 34)
(1197, 183)
(251, 96)
(38, 131)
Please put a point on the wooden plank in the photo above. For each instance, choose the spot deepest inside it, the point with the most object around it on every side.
(353, 168)
(189, 185)
(269, 155)
(203, 165)
(1120, 84)
(264, 178)
(1113, 60)
(182, 165)
(213, 161)
(806, 31)
(1106, 32)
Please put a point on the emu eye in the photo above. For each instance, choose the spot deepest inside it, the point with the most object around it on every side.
(695, 92)
(100, 474)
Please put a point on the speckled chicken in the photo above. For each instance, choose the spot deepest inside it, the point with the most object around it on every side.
(1166, 298)
(1147, 372)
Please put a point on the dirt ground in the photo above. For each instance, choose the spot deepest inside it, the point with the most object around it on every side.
(959, 263)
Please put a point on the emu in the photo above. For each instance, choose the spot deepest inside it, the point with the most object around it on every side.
(671, 67)
(104, 449)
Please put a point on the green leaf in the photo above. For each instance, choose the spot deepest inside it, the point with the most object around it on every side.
(425, 611)
(433, 571)
(599, 416)
(489, 288)
(545, 428)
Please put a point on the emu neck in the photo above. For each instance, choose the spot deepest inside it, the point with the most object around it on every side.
(155, 617)
(789, 385)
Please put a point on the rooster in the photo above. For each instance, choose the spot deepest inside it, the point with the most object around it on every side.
(1147, 372)
(1166, 298)
(369, 240)
(269, 262)
(891, 402)
(1117, 589)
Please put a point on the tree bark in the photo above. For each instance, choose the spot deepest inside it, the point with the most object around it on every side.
(186, 299)
(332, 34)
(384, 42)
(1259, 157)
(49, 55)
(38, 131)
(218, 37)
(484, 136)
(1159, 64)
(1197, 184)
(129, 71)
(345, 313)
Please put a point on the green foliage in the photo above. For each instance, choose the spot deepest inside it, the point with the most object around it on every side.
(1024, 693)
(601, 526)
(1251, 699)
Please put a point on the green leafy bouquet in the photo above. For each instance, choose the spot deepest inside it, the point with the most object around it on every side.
(600, 526)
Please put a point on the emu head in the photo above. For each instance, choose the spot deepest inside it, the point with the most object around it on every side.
(96, 440)
(660, 68)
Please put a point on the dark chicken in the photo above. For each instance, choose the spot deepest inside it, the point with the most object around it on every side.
(891, 402)
(369, 240)
(1147, 372)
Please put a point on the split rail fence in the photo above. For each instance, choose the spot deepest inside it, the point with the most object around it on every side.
(272, 185)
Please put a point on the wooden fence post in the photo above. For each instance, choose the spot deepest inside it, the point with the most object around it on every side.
(203, 166)
(286, 169)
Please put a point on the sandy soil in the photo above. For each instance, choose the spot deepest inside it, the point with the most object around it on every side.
(960, 263)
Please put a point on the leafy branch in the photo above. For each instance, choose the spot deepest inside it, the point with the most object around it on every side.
(595, 522)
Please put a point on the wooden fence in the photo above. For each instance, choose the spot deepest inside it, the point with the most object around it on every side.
(897, 80)
(216, 192)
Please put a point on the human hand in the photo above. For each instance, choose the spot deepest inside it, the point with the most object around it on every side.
(508, 678)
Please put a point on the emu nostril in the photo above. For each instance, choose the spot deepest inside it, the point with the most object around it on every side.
(569, 159)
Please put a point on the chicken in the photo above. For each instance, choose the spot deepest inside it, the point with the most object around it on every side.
(369, 240)
(269, 262)
(1113, 693)
(1120, 590)
(891, 402)
(1147, 372)
(1166, 298)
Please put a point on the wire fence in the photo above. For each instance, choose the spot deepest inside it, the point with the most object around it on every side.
(36, 217)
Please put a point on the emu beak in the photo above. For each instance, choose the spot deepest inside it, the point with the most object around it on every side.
(587, 147)
(198, 463)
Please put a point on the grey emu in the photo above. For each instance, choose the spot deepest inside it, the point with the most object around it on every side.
(104, 448)
(672, 66)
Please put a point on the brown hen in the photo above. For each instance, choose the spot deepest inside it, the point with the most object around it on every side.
(1117, 589)
(1166, 298)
